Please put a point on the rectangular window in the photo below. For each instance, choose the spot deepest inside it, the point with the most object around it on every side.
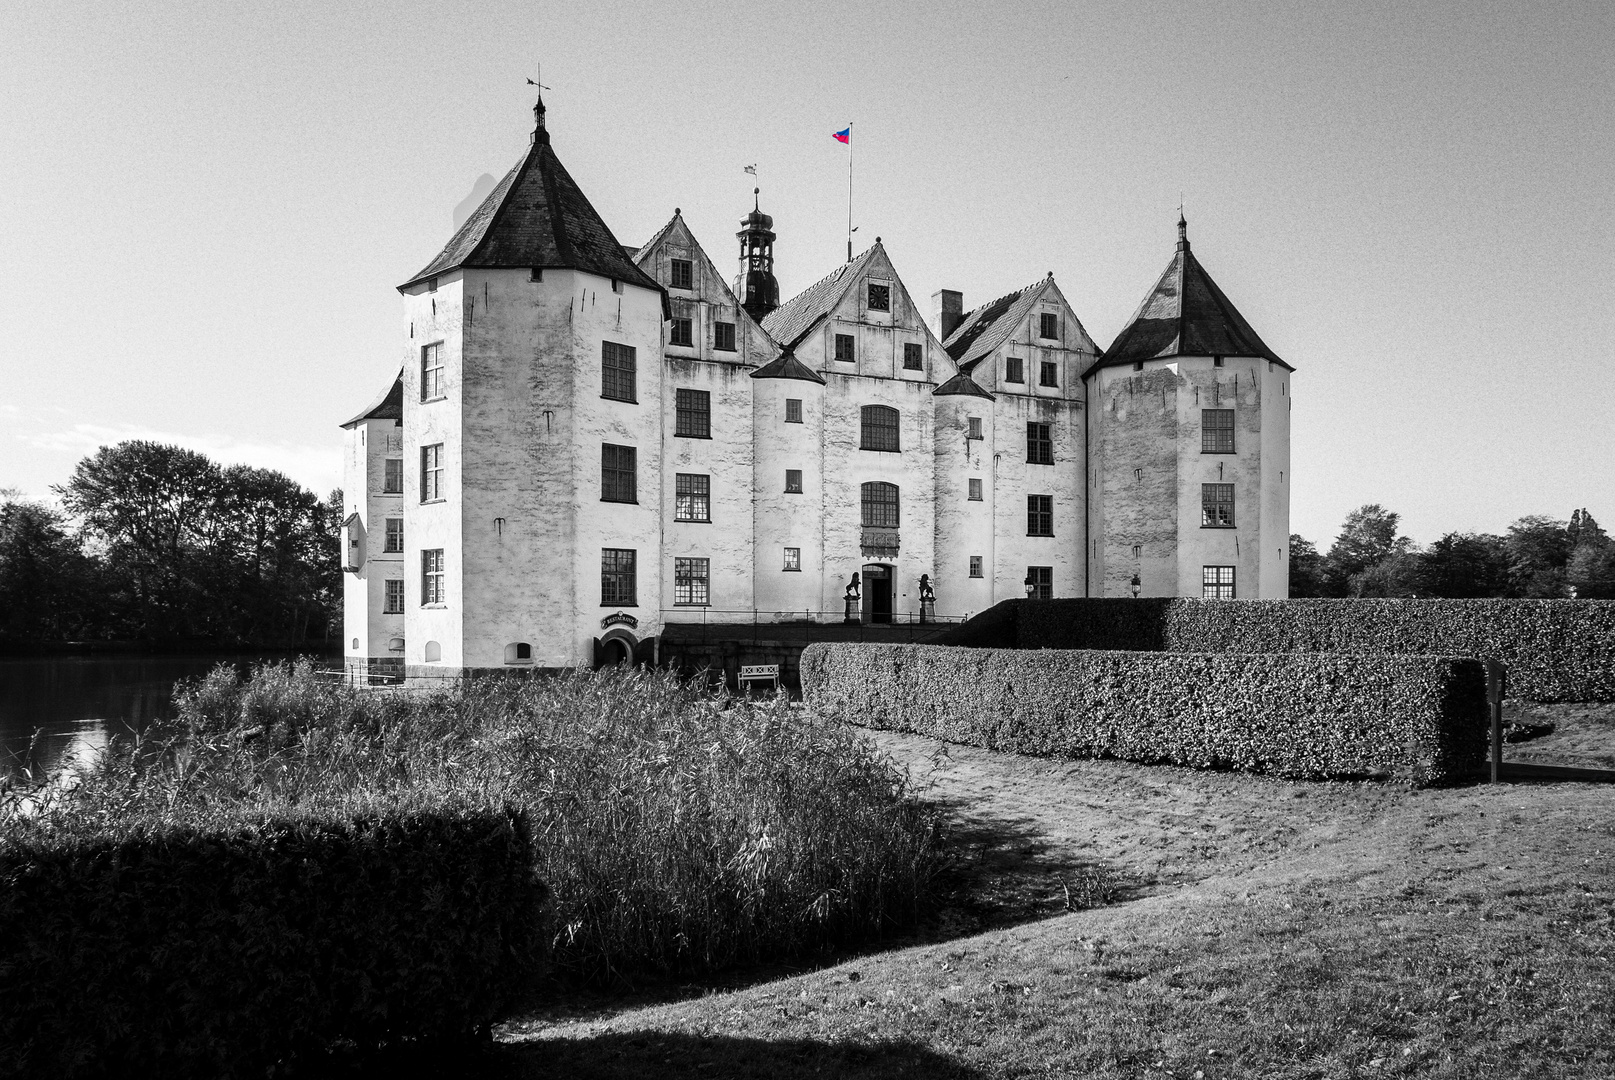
(793, 410)
(723, 336)
(1049, 325)
(793, 481)
(1039, 445)
(1217, 582)
(793, 559)
(878, 429)
(392, 477)
(880, 297)
(392, 602)
(431, 472)
(690, 582)
(432, 577)
(395, 536)
(693, 416)
(692, 500)
(1216, 506)
(913, 356)
(975, 489)
(1042, 579)
(975, 427)
(1138, 551)
(618, 581)
(682, 273)
(844, 348)
(432, 371)
(1049, 374)
(1040, 515)
(616, 371)
(975, 566)
(679, 333)
(880, 505)
(618, 473)
(1013, 371)
(1216, 431)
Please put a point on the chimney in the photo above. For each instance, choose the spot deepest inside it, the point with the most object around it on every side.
(949, 309)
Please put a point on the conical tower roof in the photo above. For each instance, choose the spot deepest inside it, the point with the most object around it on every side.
(1186, 314)
(537, 217)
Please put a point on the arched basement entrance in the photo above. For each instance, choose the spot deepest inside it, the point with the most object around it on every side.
(878, 581)
(613, 648)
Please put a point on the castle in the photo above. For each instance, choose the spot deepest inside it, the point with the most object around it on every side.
(590, 441)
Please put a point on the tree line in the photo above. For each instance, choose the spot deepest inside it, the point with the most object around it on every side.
(160, 544)
(1538, 558)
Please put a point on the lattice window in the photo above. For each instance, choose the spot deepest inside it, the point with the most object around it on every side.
(618, 577)
(844, 350)
(431, 472)
(679, 333)
(913, 356)
(975, 489)
(616, 371)
(432, 371)
(682, 273)
(1216, 431)
(975, 566)
(793, 558)
(723, 336)
(878, 428)
(692, 497)
(1049, 325)
(395, 536)
(693, 414)
(1042, 582)
(618, 473)
(392, 477)
(974, 431)
(690, 582)
(432, 576)
(793, 410)
(1014, 369)
(1040, 515)
(879, 505)
(393, 602)
(1039, 444)
(1217, 582)
(1216, 506)
(1049, 374)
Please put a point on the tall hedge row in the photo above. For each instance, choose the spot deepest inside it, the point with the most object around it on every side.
(161, 949)
(1421, 719)
(1555, 650)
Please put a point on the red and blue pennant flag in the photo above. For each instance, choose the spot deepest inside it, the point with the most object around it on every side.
(844, 135)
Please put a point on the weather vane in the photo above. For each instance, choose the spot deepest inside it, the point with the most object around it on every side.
(535, 82)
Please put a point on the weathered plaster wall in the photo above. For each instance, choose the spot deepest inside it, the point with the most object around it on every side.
(1275, 520)
(1133, 465)
(964, 527)
(367, 628)
(1236, 385)
(782, 519)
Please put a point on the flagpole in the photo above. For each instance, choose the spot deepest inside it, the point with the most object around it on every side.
(849, 192)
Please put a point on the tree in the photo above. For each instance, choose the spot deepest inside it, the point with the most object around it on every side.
(1538, 549)
(1367, 538)
(1306, 568)
(45, 578)
(1464, 566)
(1590, 570)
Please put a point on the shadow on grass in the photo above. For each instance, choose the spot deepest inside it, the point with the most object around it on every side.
(666, 1055)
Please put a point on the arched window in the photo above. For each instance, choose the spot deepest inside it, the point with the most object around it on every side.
(434, 652)
(519, 652)
(880, 505)
(878, 428)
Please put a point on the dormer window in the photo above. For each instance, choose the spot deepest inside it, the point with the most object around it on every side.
(880, 297)
(682, 272)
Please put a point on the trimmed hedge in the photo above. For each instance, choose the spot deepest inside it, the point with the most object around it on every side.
(176, 950)
(1555, 650)
(1422, 719)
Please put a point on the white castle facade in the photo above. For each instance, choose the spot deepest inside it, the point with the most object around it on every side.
(588, 442)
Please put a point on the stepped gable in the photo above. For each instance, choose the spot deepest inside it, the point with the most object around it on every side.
(537, 217)
(389, 406)
(787, 366)
(789, 323)
(984, 329)
(1186, 314)
(963, 384)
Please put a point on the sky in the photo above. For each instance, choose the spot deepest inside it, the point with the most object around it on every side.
(207, 208)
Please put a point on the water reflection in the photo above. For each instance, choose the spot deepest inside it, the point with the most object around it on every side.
(53, 710)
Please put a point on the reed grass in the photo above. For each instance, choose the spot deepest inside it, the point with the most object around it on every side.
(680, 830)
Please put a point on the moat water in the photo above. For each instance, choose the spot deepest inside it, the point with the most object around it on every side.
(54, 710)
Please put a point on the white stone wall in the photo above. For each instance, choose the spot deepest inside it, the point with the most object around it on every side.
(1133, 451)
(368, 629)
(782, 519)
(1277, 383)
(964, 527)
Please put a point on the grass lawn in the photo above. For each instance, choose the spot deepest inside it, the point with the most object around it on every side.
(1264, 929)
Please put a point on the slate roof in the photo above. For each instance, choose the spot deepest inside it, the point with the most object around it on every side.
(984, 329)
(1186, 314)
(537, 217)
(790, 322)
(787, 366)
(389, 406)
(963, 384)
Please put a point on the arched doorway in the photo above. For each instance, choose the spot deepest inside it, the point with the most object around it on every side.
(878, 582)
(614, 648)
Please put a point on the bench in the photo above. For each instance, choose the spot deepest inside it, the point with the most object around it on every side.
(750, 673)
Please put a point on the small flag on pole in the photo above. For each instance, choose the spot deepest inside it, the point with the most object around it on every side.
(752, 169)
(844, 135)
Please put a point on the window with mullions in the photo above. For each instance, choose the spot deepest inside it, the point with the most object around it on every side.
(913, 356)
(878, 428)
(1014, 371)
(974, 430)
(679, 333)
(432, 576)
(1040, 515)
(1042, 578)
(1216, 431)
(682, 273)
(879, 505)
(1217, 582)
(880, 297)
(395, 536)
(793, 559)
(693, 414)
(975, 566)
(616, 371)
(975, 489)
(1049, 374)
(793, 481)
(1049, 326)
(619, 585)
(618, 469)
(1039, 445)
(1216, 506)
(723, 336)
(690, 582)
(844, 351)
(793, 410)
(432, 472)
(432, 371)
(392, 476)
(692, 499)
(393, 602)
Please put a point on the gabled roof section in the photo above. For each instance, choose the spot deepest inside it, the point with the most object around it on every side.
(790, 322)
(389, 406)
(963, 384)
(537, 217)
(1186, 314)
(984, 329)
(787, 366)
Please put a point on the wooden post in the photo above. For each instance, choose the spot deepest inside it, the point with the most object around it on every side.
(1494, 698)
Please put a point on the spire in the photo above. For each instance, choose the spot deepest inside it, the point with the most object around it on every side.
(1183, 231)
(540, 135)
